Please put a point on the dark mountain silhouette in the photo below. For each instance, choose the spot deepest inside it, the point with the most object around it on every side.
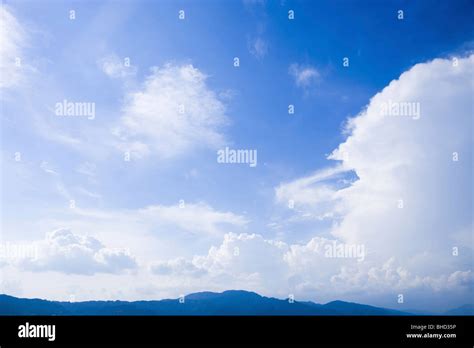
(467, 309)
(232, 302)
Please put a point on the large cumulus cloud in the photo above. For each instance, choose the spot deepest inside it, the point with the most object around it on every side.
(408, 202)
(66, 252)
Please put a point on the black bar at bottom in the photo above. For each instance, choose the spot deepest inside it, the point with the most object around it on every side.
(137, 330)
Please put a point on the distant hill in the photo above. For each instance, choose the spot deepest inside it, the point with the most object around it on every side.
(467, 309)
(232, 302)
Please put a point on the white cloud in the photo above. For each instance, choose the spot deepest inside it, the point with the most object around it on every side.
(315, 194)
(401, 161)
(304, 76)
(87, 193)
(13, 41)
(194, 217)
(398, 157)
(177, 267)
(258, 47)
(47, 168)
(66, 252)
(87, 168)
(243, 253)
(174, 112)
(390, 277)
(251, 262)
(246, 261)
(115, 67)
(155, 232)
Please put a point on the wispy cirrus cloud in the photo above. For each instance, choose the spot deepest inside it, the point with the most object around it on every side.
(193, 217)
(304, 75)
(258, 47)
(13, 38)
(197, 219)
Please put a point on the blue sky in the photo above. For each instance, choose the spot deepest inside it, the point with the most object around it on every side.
(133, 209)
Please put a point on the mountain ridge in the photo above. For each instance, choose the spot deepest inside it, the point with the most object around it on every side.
(229, 302)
